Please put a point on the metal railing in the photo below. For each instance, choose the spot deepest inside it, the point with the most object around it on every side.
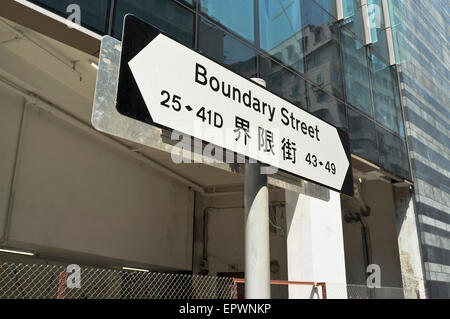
(280, 288)
(352, 291)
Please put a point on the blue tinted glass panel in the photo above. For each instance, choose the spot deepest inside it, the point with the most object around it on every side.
(398, 105)
(326, 107)
(363, 139)
(321, 49)
(191, 2)
(280, 31)
(397, 13)
(393, 156)
(236, 15)
(356, 73)
(328, 5)
(353, 19)
(349, 8)
(383, 95)
(165, 15)
(401, 47)
(380, 48)
(225, 49)
(376, 20)
(283, 82)
(94, 14)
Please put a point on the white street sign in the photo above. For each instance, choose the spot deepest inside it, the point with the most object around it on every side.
(194, 95)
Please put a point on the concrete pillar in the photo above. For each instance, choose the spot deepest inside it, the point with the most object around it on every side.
(257, 239)
(339, 10)
(388, 31)
(315, 244)
(366, 22)
(408, 244)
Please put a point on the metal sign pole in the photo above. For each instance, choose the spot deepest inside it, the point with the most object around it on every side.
(257, 241)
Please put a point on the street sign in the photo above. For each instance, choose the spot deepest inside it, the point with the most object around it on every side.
(165, 83)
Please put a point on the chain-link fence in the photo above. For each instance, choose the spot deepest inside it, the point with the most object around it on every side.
(320, 290)
(31, 281)
(363, 292)
(41, 281)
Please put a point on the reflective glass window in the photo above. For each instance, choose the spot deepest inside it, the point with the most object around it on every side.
(356, 73)
(393, 156)
(380, 47)
(349, 8)
(398, 105)
(322, 53)
(376, 19)
(283, 82)
(326, 107)
(328, 5)
(363, 139)
(401, 48)
(226, 49)
(353, 19)
(168, 16)
(280, 33)
(236, 15)
(383, 94)
(191, 2)
(396, 13)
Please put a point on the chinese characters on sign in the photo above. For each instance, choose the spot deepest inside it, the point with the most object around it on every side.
(265, 140)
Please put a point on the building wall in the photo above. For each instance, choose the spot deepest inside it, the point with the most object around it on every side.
(11, 110)
(384, 249)
(315, 243)
(68, 194)
(224, 229)
(426, 94)
(306, 240)
(409, 244)
(225, 239)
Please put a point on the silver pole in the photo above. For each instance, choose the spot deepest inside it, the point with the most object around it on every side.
(257, 241)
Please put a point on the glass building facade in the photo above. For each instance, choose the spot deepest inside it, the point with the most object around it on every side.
(298, 46)
(425, 84)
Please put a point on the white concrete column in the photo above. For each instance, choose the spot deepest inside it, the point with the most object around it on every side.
(257, 235)
(315, 244)
(366, 22)
(339, 10)
(388, 31)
